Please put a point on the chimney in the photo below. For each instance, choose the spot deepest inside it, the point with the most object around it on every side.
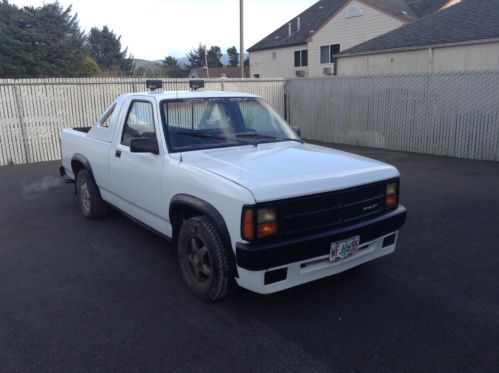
(289, 29)
(298, 24)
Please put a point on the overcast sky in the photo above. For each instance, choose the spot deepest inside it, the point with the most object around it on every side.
(153, 29)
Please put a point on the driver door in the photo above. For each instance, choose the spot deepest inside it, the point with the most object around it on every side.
(136, 177)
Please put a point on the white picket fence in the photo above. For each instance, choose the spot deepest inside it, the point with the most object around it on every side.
(34, 111)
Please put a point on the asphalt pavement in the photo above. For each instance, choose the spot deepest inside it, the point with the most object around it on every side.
(107, 296)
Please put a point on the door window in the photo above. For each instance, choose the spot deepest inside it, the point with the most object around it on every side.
(139, 122)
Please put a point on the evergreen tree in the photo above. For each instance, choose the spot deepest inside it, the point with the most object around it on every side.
(213, 56)
(233, 57)
(40, 42)
(173, 68)
(14, 41)
(196, 57)
(104, 46)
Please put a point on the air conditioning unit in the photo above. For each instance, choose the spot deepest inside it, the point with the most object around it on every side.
(300, 73)
(327, 71)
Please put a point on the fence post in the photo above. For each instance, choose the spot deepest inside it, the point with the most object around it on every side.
(286, 102)
(22, 123)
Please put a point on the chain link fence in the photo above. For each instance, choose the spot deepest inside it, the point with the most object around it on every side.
(450, 114)
(34, 111)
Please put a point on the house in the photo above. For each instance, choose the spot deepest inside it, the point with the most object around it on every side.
(462, 37)
(306, 45)
(217, 72)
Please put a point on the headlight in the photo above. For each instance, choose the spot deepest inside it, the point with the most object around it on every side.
(258, 223)
(391, 195)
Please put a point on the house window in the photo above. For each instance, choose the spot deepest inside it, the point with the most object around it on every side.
(328, 51)
(301, 58)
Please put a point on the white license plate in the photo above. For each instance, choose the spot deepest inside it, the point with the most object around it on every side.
(343, 249)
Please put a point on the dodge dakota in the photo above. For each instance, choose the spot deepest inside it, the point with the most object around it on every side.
(243, 199)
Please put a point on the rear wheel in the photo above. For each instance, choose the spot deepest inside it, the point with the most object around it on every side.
(203, 260)
(91, 204)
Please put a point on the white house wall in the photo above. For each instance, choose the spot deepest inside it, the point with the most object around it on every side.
(456, 58)
(349, 32)
(264, 64)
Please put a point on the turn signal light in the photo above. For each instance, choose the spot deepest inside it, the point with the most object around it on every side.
(391, 201)
(266, 229)
(248, 224)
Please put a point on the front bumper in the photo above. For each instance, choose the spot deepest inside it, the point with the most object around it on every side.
(266, 255)
(306, 258)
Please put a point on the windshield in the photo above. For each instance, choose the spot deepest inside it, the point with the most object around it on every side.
(193, 124)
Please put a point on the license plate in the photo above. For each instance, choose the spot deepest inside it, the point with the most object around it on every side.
(343, 249)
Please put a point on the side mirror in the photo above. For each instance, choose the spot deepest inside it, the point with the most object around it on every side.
(297, 130)
(144, 145)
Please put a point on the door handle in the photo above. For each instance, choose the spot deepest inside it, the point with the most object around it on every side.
(117, 154)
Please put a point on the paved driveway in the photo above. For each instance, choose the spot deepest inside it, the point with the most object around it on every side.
(79, 295)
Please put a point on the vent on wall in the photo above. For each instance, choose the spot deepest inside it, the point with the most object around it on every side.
(354, 11)
(327, 71)
(300, 73)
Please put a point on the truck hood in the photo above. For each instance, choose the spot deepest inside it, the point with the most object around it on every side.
(289, 169)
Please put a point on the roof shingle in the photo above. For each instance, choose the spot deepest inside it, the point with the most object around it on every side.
(313, 17)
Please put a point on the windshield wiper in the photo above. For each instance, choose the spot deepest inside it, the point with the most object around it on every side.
(217, 136)
(270, 137)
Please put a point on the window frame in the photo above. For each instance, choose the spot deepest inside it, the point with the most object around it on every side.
(128, 114)
(300, 53)
(330, 53)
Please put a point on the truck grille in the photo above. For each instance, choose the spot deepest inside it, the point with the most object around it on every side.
(332, 209)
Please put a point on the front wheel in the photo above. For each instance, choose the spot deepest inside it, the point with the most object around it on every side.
(203, 260)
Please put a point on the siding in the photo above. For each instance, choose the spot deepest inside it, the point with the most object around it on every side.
(457, 58)
(348, 32)
(283, 66)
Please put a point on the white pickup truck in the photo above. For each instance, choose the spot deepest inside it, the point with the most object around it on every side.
(234, 188)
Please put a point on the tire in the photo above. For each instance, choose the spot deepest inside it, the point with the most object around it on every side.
(91, 204)
(203, 260)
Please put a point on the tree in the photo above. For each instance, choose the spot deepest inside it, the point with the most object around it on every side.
(104, 46)
(197, 57)
(14, 42)
(233, 57)
(40, 42)
(89, 68)
(213, 56)
(173, 68)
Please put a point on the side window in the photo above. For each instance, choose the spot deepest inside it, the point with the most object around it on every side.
(139, 122)
(107, 118)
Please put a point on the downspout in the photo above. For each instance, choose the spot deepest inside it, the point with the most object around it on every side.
(430, 60)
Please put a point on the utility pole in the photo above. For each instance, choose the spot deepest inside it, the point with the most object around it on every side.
(206, 62)
(241, 45)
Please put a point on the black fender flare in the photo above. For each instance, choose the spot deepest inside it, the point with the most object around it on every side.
(206, 208)
(80, 158)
